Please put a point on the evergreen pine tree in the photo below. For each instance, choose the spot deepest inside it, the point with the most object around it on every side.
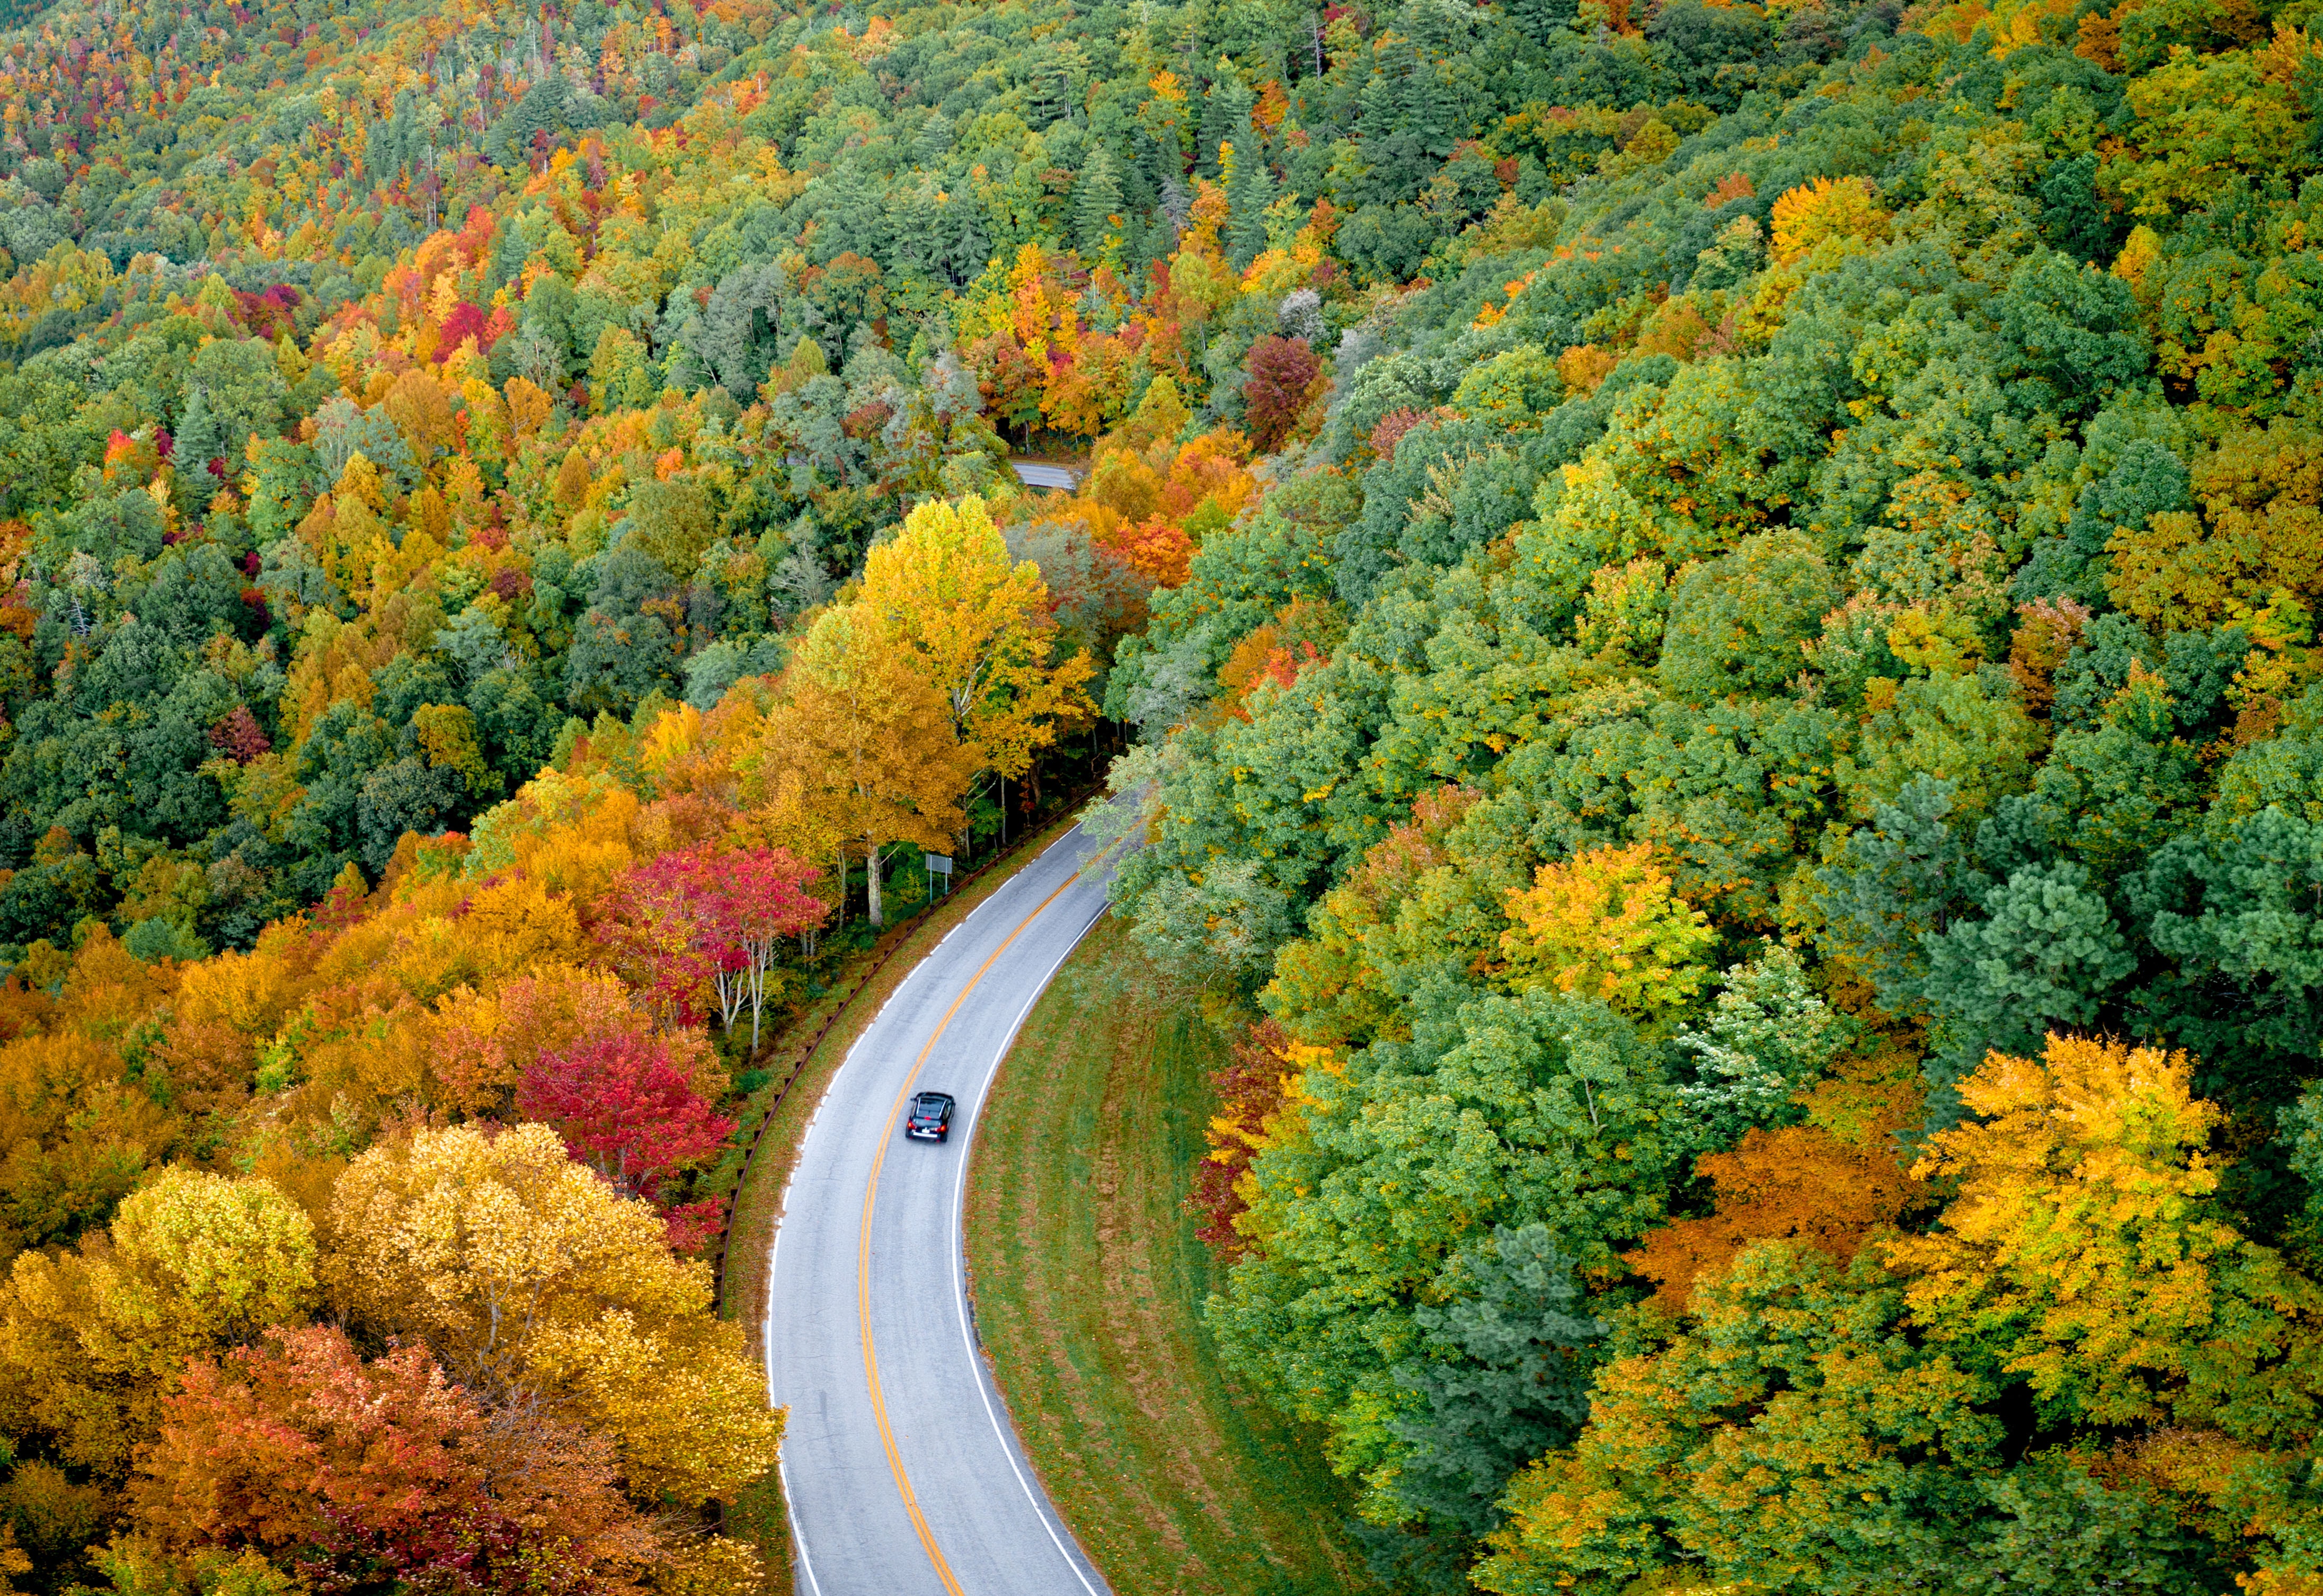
(1250, 190)
(1049, 95)
(912, 218)
(1097, 201)
(1225, 117)
(971, 244)
(201, 438)
(510, 250)
(935, 142)
(1504, 1376)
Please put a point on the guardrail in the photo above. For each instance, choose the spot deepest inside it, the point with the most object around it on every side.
(902, 932)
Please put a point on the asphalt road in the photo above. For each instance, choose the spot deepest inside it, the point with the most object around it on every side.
(1034, 474)
(903, 1473)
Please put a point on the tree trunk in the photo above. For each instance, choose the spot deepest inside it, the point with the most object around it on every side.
(871, 882)
(762, 958)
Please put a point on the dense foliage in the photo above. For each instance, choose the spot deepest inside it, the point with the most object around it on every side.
(1752, 758)
(1719, 605)
(429, 1323)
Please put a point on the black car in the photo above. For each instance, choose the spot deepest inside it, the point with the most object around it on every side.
(931, 1117)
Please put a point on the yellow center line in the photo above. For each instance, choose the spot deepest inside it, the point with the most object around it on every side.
(863, 1255)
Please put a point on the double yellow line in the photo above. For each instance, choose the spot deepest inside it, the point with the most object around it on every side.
(863, 1255)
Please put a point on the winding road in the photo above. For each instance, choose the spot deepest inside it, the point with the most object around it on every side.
(903, 1473)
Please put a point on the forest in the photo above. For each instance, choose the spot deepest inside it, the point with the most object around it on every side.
(1715, 606)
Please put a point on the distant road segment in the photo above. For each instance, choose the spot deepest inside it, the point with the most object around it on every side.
(1034, 475)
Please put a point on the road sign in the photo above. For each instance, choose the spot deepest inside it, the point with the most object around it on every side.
(939, 864)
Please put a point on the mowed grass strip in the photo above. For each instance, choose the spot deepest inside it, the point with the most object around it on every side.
(1089, 1282)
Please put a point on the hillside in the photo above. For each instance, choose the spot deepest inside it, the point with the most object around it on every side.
(1717, 603)
(1756, 782)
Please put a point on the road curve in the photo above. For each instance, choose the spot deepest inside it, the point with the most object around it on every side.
(903, 1473)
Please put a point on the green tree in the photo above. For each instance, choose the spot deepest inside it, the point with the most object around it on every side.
(1895, 883)
(1737, 624)
(2236, 915)
(1502, 1375)
(1096, 207)
(1250, 190)
(1767, 1034)
(2044, 955)
(1404, 1154)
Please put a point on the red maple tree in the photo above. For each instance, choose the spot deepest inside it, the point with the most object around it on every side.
(625, 1108)
(1281, 372)
(757, 899)
(659, 922)
(695, 920)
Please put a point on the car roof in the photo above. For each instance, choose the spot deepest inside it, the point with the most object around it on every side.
(933, 1097)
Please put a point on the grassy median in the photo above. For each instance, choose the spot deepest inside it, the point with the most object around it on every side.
(1089, 1282)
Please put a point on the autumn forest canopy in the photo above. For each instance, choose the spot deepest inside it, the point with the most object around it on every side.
(1713, 613)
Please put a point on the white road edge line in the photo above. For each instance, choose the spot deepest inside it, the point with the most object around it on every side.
(782, 1473)
(798, 1538)
(1041, 1510)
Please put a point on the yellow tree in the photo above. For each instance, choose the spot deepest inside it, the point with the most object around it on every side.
(977, 625)
(1607, 925)
(93, 1340)
(346, 530)
(1825, 208)
(2087, 1250)
(862, 740)
(790, 808)
(528, 1276)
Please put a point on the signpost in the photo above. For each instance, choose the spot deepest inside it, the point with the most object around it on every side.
(938, 865)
